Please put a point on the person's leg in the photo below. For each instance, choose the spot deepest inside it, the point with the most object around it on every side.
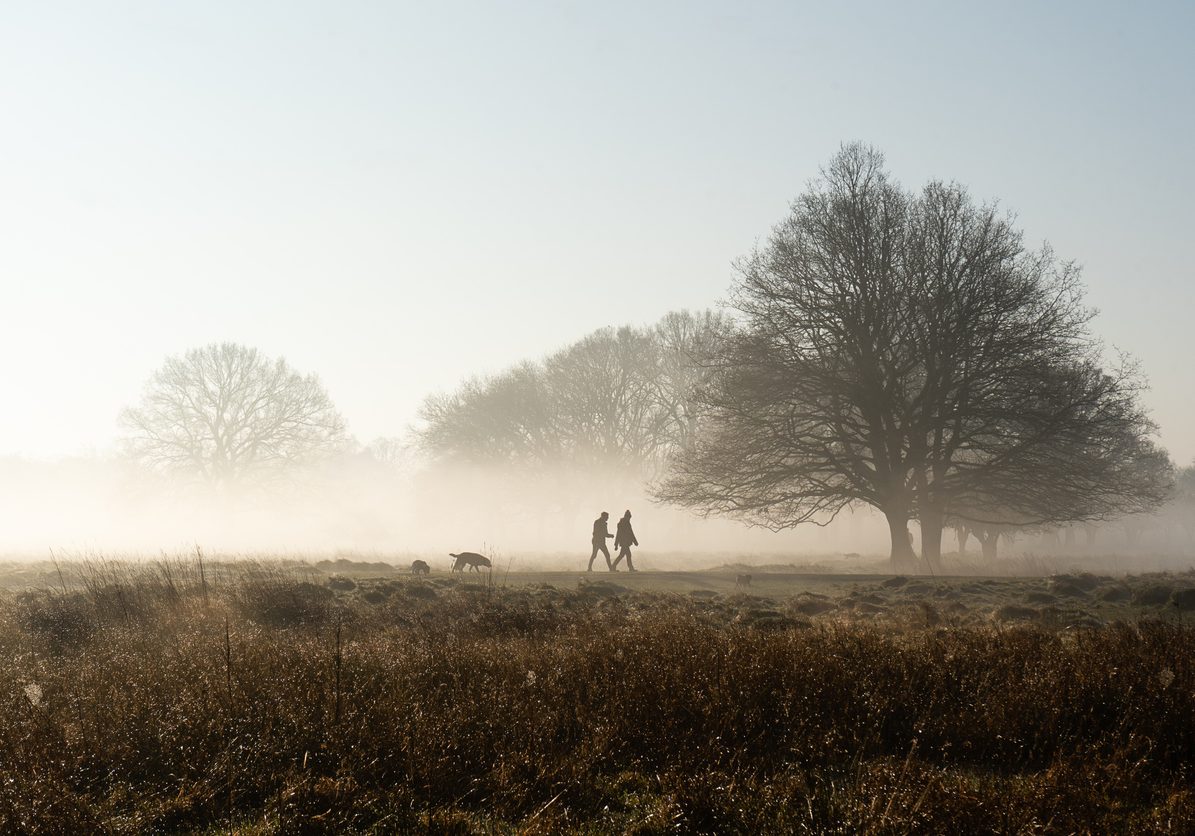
(592, 556)
(630, 563)
(606, 552)
(618, 559)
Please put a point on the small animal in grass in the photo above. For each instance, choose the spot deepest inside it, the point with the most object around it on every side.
(420, 567)
(741, 581)
(471, 559)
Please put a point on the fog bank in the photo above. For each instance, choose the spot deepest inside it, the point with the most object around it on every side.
(358, 505)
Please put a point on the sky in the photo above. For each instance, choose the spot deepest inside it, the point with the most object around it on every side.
(396, 196)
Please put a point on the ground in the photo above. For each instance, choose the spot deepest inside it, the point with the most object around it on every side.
(290, 696)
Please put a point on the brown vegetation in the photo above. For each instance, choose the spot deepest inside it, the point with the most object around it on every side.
(189, 697)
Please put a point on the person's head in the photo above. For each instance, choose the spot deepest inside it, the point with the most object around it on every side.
(627, 515)
(605, 515)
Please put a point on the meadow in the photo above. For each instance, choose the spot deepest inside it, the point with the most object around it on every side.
(258, 696)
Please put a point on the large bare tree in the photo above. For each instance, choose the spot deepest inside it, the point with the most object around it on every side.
(227, 414)
(908, 352)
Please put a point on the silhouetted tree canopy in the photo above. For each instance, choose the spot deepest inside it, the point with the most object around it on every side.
(908, 352)
(226, 414)
(623, 398)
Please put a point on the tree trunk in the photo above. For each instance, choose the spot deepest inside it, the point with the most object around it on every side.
(988, 541)
(903, 558)
(931, 539)
(964, 534)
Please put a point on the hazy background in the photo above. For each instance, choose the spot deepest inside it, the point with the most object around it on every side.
(398, 196)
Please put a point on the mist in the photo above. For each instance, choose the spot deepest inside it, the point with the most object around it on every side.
(358, 507)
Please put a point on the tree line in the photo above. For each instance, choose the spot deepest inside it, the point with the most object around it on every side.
(619, 398)
(904, 350)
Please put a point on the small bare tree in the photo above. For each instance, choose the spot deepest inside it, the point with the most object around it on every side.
(226, 414)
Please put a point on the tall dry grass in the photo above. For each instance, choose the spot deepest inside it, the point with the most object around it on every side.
(166, 699)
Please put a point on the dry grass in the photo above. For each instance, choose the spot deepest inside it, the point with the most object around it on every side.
(168, 699)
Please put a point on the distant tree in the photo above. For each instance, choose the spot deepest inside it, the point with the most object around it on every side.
(599, 391)
(1091, 461)
(226, 414)
(687, 345)
(989, 538)
(619, 398)
(506, 419)
(989, 534)
(395, 454)
(907, 352)
(1182, 505)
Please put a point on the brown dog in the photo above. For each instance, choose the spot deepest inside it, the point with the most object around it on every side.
(470, 559)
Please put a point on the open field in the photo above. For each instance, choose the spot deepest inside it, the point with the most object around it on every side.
(263, 697)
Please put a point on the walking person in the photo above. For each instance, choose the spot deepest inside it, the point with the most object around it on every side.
(600, 534)
(623, 540)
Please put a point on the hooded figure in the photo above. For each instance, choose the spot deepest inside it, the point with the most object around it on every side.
(600, 533)
(623, 542)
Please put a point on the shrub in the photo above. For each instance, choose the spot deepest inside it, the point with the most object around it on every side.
(60, 620)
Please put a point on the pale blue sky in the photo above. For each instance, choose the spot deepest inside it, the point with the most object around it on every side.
(396, 196)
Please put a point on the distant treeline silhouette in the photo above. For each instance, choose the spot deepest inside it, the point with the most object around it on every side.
(620, 398)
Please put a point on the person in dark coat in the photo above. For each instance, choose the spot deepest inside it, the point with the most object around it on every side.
(600, 533)
(623, 540)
